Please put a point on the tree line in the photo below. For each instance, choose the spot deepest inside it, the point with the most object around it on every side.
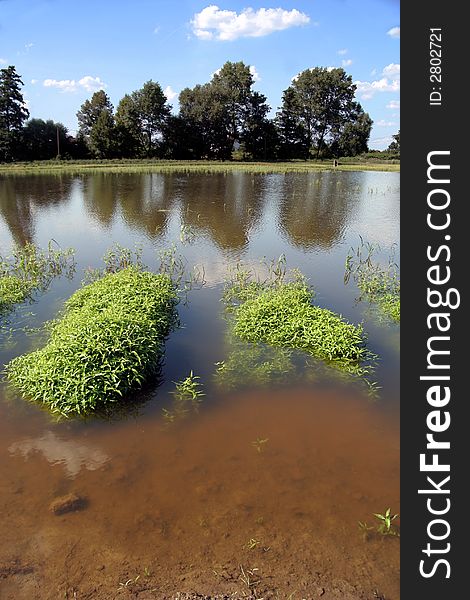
(318, 118)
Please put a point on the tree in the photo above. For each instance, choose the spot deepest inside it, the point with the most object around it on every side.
(151, 112)
(13, 113)
(128, 128)
(40, 140)
(353, 137)
(317, 107)
(96, 125)
(293, 141)
(226, 111)
(395, 145)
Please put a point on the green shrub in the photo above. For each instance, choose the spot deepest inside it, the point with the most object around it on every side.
(107, 342)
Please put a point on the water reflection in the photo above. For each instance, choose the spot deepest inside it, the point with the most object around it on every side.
(22, 198)
(311, 210)
(74, 456)
(315, 209)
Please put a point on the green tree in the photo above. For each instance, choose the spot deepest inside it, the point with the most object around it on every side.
(226, 111)
(96, 125)
(320, 104)
(128, 128)
(13, 113)
(40, 140)
(395, 145)
(352, 138)
(150, 112)
(293, 141)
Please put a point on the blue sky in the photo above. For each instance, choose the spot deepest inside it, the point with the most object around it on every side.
(65, 49)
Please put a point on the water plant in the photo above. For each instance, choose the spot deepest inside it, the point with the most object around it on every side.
(259, 444)
(30, 269)
(108, 341)
(280, 312)
(378, 284)
(187, 398)
(385, 526)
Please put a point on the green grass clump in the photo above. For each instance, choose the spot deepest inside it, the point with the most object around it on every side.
(284, 316)
(379, 284)
(30, 269)
(107, 342)
(13, 290)
(277, 310)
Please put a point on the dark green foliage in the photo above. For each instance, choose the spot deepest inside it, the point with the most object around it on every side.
(96, 125)
(108, 342)
(40, 140)
(225, 112)
(13, 113)
(318, 112)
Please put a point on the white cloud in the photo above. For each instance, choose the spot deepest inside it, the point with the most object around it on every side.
(87, 83)
(390, 82)
(347, 63)
(391, 71)
(3, 61)
(254, 73)
(383, 123)
(394, 32)
(34, 81)
(394, 104)
(170, 93)
(342, 52)
(156, 29)
(214, 23)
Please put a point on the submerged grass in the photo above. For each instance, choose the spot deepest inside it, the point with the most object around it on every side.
(280, 313)
(379, 285)
(108, 342)
(30, 269)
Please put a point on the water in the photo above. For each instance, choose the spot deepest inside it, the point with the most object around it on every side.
(194, 504)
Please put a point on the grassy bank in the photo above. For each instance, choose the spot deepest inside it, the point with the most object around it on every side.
(108, 341)
(169, 166)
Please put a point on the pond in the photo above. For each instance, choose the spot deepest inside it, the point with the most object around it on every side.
(259, 488)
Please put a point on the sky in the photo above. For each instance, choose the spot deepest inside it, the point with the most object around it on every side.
(65, 50)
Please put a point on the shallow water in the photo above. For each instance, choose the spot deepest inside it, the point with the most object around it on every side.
(178, 502)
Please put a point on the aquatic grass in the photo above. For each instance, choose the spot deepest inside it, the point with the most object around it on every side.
(187, 397)
(108, 341)
(30, 269)
(254, 365)
(378, 284)
(281, 313)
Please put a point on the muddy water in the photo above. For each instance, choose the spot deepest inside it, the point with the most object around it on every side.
(260, 489)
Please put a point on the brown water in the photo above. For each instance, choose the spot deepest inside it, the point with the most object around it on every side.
(198, 504)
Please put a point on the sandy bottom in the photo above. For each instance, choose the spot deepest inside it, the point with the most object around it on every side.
(257, 496)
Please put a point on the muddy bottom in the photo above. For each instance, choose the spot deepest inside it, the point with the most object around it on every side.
(258, 496)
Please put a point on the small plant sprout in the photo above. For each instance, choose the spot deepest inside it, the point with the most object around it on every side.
(189, 388)
(259, 444)
(385, 526)
(252, 543)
